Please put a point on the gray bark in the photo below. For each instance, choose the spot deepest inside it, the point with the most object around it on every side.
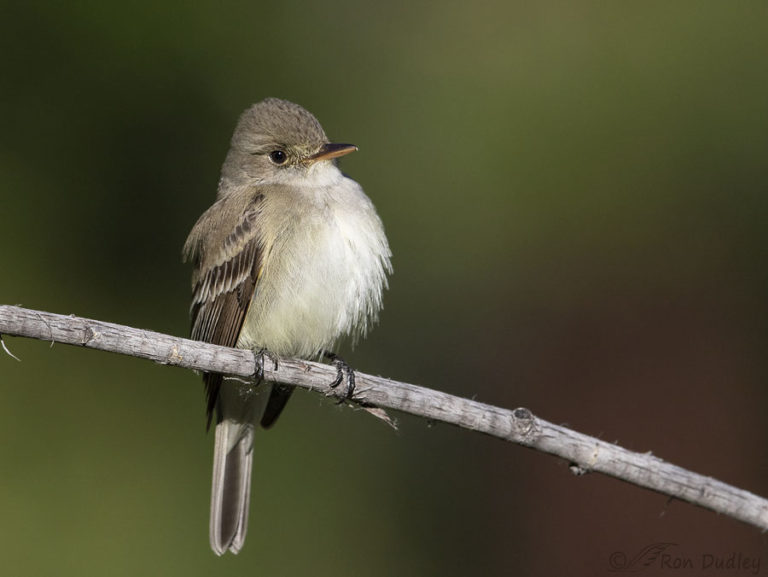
(586, 454)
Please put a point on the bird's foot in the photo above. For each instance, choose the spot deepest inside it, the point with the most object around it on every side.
(259, 357)
(342, 370)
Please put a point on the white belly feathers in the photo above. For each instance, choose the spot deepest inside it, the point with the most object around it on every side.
(338, 262)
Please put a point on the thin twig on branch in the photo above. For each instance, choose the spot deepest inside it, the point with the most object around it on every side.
(585, 453)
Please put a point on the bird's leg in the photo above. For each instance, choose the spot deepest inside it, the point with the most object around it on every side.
(258, 357)
(342, 368)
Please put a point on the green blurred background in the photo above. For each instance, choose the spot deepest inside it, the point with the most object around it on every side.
(575, 195)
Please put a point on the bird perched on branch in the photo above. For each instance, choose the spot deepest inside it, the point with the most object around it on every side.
(289, 259)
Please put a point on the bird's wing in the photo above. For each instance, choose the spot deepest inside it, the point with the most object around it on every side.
(224, 281)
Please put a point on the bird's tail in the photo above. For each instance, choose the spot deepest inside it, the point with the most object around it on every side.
(232, 460)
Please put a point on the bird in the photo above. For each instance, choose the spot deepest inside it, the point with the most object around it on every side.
(291, 258)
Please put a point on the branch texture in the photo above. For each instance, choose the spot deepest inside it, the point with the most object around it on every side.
(587, 454)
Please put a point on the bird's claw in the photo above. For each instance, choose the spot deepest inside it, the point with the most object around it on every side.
(342, 369)
(258, 357)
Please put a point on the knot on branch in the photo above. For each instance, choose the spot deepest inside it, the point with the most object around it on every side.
(174, 357)
(88, 335)
(524, 423)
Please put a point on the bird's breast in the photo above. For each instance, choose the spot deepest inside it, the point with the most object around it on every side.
(323, 276)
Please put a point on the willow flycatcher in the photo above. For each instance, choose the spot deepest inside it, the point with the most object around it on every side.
(290, 258)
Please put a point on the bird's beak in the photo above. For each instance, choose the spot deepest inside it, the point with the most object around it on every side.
(331, 150)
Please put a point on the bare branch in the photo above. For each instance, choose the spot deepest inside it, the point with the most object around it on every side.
(585, 453)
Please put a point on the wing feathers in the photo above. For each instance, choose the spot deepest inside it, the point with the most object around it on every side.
(224, 284)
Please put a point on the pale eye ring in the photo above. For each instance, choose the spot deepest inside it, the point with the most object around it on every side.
(278, 156)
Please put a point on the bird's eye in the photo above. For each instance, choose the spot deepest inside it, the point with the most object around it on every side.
(278, 156)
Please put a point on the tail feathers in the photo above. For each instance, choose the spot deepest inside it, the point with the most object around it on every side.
(232, 462)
